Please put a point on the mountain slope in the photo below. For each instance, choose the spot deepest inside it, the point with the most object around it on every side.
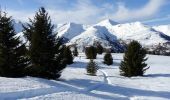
(140, 32)
(112, 34)
(97, 34)
(18, 26)
(163, 28)
(70, 30)
(107, 23)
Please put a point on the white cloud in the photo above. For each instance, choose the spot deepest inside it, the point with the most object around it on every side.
(20, 15)
(157, 19)
(84, 11)
(150, 9)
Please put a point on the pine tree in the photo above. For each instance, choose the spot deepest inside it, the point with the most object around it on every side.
(91, 52)
(133, 63)
(44, 49)
(99, 49)
(75, 52)
(108, 59)
(92, 68)
(13, 58)
(68, 55)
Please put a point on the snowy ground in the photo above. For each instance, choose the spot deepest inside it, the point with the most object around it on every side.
(107, 85)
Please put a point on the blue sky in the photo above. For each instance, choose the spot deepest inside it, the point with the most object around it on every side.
(153, 12)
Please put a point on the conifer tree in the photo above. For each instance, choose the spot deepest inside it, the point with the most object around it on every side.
(91, 52)
(68, 55)
(75, 52)
(13, 58)
(92, 68)
(108, 59)
(133, 63)
(99, 49)
(44, 49)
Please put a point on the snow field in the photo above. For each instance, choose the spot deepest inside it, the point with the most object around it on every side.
(75, 84)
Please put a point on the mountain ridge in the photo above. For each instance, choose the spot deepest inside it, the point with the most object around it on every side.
(112, 34)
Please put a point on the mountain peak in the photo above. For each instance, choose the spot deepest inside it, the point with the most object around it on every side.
(107, 22)
(70, 30)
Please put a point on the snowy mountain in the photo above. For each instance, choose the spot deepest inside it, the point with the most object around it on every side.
(96, 34)
(21, 36)
(69, 30)
(18, 26)
(163, 28)
(114, 35)
(107, 23)
(146, 35)
(109, 33)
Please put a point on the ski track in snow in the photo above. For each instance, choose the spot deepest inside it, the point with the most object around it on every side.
(46, 91)
(106, 80)
(37, 92)
(27, 93)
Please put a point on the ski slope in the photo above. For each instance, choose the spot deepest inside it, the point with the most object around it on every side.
(75, 84)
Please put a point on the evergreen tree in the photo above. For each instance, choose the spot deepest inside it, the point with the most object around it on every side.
(44, 49)
(92, 68)
(91, 52)
(108, 59)
(99, 49)
(13, 58)
(75, 52)
(68, 55)
(133, 63)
